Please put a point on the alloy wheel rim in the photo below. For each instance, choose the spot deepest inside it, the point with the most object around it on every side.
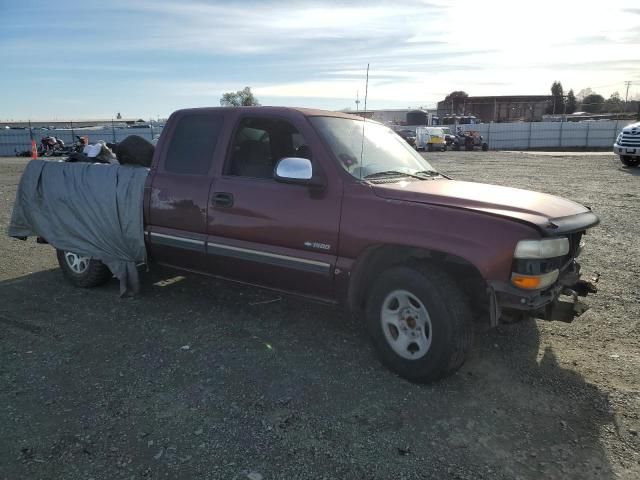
(76, 263)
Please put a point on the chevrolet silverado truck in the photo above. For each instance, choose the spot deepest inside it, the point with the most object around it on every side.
(627, 145)
(342, 210)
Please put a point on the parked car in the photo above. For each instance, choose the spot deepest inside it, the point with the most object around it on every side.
(627, 145)
(408, 135)
(309, 202)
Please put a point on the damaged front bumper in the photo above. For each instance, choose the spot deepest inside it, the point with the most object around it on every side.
(508, 300)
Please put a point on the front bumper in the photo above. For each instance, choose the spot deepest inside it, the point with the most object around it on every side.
(626, 150)
(505, 297)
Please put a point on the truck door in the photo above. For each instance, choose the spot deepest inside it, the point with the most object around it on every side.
(268, 233)
(177, 217)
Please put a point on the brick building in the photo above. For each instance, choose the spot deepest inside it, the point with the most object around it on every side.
(502, 108)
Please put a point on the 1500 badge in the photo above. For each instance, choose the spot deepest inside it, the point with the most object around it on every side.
(321, 246)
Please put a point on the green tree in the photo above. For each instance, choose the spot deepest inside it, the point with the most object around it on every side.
(572, 103)
(241, 98)
(456, 100)
(592, 103)
(556, 103)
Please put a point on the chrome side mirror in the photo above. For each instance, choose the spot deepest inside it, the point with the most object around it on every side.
(294, 170)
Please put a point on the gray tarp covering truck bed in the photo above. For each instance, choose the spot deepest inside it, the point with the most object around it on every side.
(94, 210)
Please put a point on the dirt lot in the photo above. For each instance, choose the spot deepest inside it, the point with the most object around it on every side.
(199, 379)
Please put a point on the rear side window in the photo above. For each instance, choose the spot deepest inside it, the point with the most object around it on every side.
(193, 143)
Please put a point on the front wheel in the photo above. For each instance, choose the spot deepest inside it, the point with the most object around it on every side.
(630, 161)
(82, 271)
(419, 322)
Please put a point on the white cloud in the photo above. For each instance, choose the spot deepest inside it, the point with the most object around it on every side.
(418, 51)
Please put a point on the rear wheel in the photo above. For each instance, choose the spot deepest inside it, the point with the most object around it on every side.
(485, 147)
(630, 161)
(419, 322)
(82, 271)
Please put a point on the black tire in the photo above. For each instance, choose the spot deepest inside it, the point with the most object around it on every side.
(630, 161)
(485, 147)
(96, 272)
(450, 328)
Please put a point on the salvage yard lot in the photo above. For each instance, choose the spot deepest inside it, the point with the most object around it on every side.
(197, 378)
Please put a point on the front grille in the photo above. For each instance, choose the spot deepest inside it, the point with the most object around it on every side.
(574, 244)
(630, 138)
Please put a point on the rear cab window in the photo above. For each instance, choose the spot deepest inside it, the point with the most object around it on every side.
(193, 143)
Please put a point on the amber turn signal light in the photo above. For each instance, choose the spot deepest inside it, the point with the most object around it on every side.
(534, 282)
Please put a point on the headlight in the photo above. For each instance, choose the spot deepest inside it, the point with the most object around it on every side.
(547, 248)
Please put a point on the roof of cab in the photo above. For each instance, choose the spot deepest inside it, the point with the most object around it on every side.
(307, 112)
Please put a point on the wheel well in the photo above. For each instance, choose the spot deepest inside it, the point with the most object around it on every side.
(375, 260)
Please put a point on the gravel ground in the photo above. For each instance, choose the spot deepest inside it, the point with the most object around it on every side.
(202, 379)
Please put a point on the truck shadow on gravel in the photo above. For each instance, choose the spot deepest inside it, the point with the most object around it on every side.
(200, 378)
(635, 171)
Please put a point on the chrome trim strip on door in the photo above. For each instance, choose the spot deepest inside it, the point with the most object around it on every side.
(178, 242)
(269, 258)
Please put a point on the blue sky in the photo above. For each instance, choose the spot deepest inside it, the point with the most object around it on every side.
(63, 59)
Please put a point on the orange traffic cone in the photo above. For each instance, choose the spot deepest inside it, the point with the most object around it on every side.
(34, 150)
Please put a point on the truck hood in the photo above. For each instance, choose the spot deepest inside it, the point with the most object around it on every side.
(632, 127)
(547, 212)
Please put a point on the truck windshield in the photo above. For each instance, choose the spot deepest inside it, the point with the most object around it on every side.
(384, 153)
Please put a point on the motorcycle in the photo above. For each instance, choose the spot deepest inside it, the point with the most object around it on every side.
(51, 145)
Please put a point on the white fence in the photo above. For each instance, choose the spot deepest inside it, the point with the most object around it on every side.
(532, 135)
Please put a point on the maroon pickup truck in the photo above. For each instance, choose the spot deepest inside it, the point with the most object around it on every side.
(334, 208)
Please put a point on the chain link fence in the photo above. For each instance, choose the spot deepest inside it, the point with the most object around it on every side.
(14, 141)
(499, 136)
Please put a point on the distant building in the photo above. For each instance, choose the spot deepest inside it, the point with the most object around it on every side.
(502, 108)
(396, 116)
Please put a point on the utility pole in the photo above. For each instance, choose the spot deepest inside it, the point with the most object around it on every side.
(357, 100)
(626, 96)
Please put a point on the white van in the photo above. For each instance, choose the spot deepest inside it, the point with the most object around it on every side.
(430, 138)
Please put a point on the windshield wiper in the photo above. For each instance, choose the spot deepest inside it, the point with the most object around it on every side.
(393, 173)
(428, 173)
(432, 174)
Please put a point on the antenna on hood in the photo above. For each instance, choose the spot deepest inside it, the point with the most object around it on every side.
(364, 120)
